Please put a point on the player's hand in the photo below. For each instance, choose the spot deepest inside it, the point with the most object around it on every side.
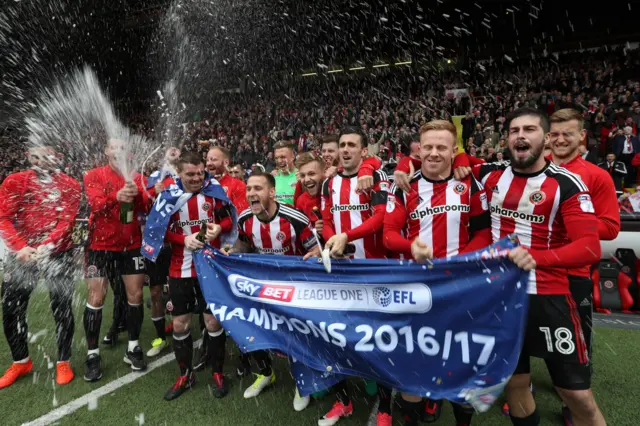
(25, 254)
(330, 172)
(226, 250)
(42, 253)
(158, 188)
(213, 231)
(402, 180)
(191, 243)
(365, 183)
(319, 226)
(462, 172)
(314, 252)
(336, 244)
(274, 172)
(123, 196)
(522, 258)
(420, 251)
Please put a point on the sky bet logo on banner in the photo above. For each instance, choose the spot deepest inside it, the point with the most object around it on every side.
(451, 329)
(394, 298)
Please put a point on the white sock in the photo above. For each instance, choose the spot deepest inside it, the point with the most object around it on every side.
(216, 333)
(23, 361)
(93, 351)
(132, 345)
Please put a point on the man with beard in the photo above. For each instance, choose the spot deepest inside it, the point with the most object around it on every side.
(37, 215)
(422, 230)
(565, 138)
(551, 212)
(217, 163)
(351, 215)
(271, 227)
(158, 272)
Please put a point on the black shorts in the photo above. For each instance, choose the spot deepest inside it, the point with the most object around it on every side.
(185, 297)
(112, 264)
(158, 272)
(582, 292)
(554, 333)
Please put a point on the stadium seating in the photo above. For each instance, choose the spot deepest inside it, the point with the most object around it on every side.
(611, 288)
(630, 266)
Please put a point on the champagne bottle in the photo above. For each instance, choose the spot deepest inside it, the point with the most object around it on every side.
(202, 233)
(126, 213)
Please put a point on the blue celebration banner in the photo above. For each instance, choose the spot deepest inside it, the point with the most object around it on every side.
(449, 329)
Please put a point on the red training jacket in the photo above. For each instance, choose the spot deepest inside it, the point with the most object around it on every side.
(105, 230)
(34, 213)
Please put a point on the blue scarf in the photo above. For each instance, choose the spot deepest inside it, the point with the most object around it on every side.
(171, 201)
(159, 175)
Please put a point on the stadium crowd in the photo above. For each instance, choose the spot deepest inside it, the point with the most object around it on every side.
(342, 137)
(392, 107)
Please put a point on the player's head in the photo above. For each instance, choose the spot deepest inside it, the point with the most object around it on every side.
(437, 148)
(283, 155)
(261, 192)
(172, 155)
(330, 151)
(352, 145)
(191, 171)
(237, 171)
(611, 157)
(414, 148)
(566, 133)
(218, 160)
(527, 133)
(310, 172)
(115, 150)
(43, 157)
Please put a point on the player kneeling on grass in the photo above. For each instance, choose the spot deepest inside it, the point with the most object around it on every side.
(37, 215)
(184, 234)
(270, 227)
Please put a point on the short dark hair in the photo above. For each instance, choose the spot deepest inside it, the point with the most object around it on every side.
(524, 111)
(355, 130)
(268, 176)
(189, 158)
(330, 139)
(238, 165)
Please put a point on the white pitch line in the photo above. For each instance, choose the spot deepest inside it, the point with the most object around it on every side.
(65, 410)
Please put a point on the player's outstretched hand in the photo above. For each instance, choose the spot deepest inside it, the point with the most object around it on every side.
(522, 258)
(192, 243)
(402, 180)
(336, 244)
(25, 254)
(213, 231)
(461, 172)
(314, 252)
(365, 183)
(420, 251)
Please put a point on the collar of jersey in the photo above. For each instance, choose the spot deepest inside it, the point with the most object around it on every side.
(436, 181)
(272, 217)
(539, 172)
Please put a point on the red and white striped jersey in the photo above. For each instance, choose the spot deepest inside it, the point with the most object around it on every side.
(197, 211)
(541, 209)
(288, 232)
(359, 215)
(443, 214)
